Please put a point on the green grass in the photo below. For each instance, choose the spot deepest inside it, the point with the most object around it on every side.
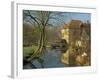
(28, 50)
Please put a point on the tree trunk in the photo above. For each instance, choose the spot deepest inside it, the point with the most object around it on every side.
(41, 45)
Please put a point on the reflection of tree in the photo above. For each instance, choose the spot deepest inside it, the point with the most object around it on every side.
(41, 19)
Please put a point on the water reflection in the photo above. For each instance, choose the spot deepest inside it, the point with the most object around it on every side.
(63, 56)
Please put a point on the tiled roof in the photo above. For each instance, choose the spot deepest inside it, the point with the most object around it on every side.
(75, 24)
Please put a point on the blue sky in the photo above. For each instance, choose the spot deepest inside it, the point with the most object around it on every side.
(77, 16)
(68, 16)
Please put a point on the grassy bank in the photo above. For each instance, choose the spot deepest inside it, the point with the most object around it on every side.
(29, 50)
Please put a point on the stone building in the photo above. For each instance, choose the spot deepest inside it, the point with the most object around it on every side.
(76, 36)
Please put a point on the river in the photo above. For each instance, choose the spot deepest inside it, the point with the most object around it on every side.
(51, 59)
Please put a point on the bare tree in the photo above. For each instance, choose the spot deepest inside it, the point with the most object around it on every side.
(42, 19)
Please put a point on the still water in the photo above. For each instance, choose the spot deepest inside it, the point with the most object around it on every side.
(52, 59)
